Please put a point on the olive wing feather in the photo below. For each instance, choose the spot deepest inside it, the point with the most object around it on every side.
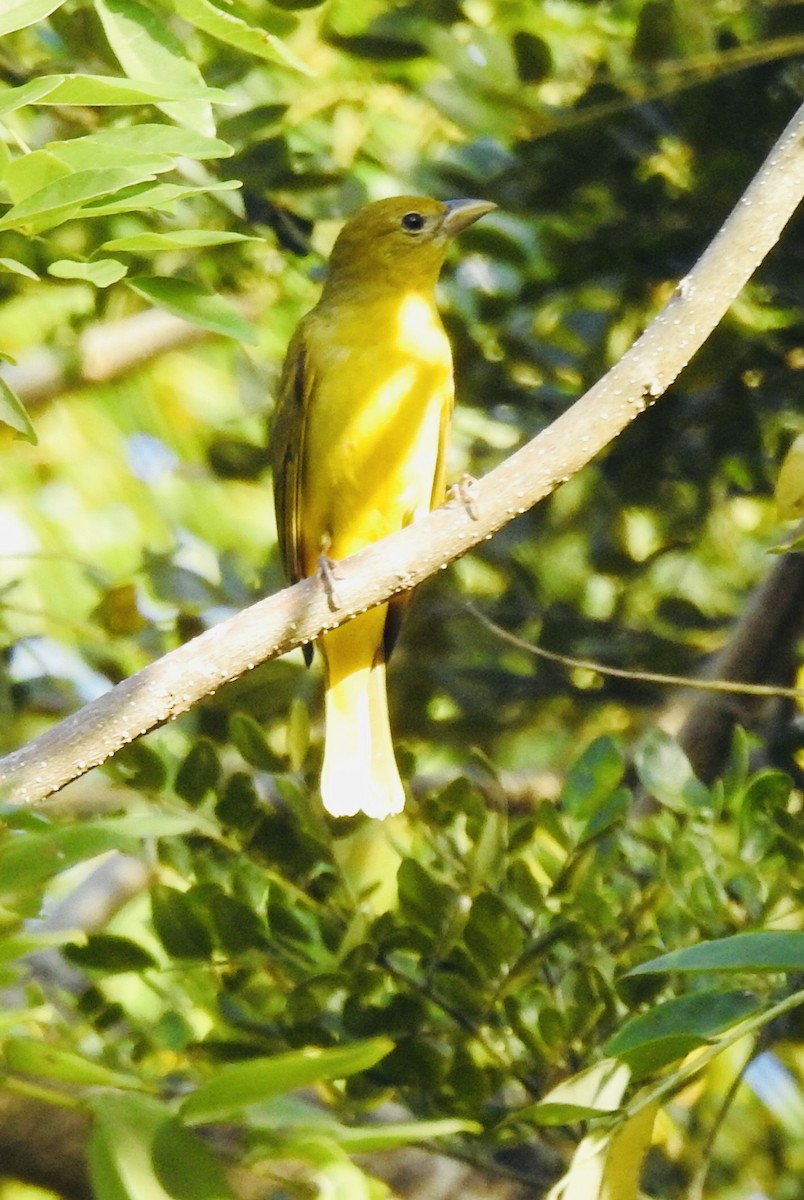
(287, 450)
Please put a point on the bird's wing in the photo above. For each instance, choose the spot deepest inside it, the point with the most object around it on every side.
(287, 449)
(439, 491)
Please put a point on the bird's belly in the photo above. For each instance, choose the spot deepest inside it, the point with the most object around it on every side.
(372, 452)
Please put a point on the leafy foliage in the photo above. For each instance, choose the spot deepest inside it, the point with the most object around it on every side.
(549, 937)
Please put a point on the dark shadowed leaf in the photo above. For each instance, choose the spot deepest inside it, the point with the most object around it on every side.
(672, 1029)
(110, 953)
(180, 923)
(199, 772)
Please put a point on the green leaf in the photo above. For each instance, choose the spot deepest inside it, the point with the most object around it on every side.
(423, 899)
(665, 772)
(248, 737)
(239, 1085)
(764, 799)
(237, 927)
(12, 412)
(492, 934)
(122, 145)
(591, 1093)
(105, 89)
(372, 1139)
(158, 824)
(194, 304)
(141, 766)
(593, 777)
(101, 271)
(234, 32)
(63, 198)
(199, 772)
(146, 48)
(670, 1030)
(139, 1151)
(239, 806)
(151, 149)
(292, 1112)
(534, 61)
(180, 924)
(159, 197)
(109, 953)
(30, 173)
(29, 859)
(762, 951)
(17, 268)
(31, 1056)
(26, 12)
(179, 239)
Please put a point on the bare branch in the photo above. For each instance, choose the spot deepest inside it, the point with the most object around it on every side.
(176, 682)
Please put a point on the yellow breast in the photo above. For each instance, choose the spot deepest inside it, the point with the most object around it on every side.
(373, 440)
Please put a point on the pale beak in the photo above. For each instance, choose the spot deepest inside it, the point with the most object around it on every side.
(461, 213)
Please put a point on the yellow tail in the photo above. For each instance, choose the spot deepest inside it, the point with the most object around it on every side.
(359, 772)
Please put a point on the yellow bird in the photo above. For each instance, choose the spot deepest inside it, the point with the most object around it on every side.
(358, 448)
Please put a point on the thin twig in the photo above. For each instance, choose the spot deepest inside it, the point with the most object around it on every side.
(588, 664)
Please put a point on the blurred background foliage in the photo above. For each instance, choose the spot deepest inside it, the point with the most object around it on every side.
(615, 139)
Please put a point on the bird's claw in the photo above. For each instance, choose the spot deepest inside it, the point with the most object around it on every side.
(327, 572)
(464, 492)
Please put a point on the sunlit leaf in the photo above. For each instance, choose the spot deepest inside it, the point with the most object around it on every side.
(22, 13)
(146, 48)
(789, 489)
(139, 1151)
(239, 1085)
(159, 197)
(30, 859)
(101, 271)
(31, 1056)
(590, 1093)
(235, 32)
(194, 304)
(103, 90)
(63, 198)
(179, 239)
(607, 1164)
(143, 141)
(12, 412)
(17, 268)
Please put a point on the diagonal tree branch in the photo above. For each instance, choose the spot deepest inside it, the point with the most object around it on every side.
(176, 682)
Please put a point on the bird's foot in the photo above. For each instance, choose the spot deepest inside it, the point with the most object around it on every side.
(464, 492)
(327, 571)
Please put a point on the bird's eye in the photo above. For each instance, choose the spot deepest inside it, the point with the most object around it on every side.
(413, 222)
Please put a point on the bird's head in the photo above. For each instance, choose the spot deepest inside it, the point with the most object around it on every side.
(399, 242)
